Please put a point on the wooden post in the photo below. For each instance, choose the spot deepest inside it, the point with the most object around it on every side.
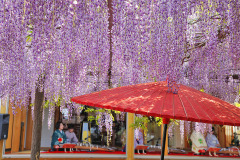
(3, 109)
(130, 137)
(23, 129)
(228, 135)
(166, 145)
(221, 136)
(16, 131)
(1, 141)
(10, 129)
(166, 142)
(1, 148)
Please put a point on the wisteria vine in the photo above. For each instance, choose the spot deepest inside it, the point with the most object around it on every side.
(62, 47)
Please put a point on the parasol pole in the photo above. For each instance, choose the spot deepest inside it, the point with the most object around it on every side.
(165, 122)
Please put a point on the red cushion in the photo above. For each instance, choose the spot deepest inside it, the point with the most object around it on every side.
(201, 151)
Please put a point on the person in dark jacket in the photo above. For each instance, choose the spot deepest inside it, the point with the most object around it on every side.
(58, 136)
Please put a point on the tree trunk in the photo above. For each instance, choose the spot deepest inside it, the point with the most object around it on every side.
(37, 125)
(110, 21)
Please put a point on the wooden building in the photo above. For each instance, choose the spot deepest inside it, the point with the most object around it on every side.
(18, 144)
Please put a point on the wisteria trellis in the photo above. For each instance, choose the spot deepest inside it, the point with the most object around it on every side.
(195, 42)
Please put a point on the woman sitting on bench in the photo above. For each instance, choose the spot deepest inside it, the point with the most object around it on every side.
(58, 136)
(212, 141)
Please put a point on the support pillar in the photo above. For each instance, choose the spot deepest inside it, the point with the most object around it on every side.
(1, 141)
(164, 138)
(1, 148)
(130, 137)
(3, 109)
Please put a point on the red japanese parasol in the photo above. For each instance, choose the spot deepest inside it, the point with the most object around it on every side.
(153, 99)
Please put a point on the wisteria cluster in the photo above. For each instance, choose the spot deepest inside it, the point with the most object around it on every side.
(120, 116)
(100, 121)
(170, 130)
(108, 124)
(105, 119)
(181, 123)
(187, 127)
(59, 46)
(62, 47)
(187, 40)
(203, 127)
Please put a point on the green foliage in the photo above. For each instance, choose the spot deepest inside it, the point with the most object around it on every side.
(117, 112)
(112, 116)
(54, 102)
(46, 104)
(237, 104)
(29, 31)
(58, 101)
(159, 121)
(91, 118)
(155, 79)
(29, 38)
(174, 121)
(202, 90)
(89, 110)
(141, 122)
(101, 110)
(97, 117)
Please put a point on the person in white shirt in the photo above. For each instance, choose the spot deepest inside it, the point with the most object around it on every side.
(198, 142)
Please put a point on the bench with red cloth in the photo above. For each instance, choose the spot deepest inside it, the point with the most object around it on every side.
(141, 147)
(64, 146)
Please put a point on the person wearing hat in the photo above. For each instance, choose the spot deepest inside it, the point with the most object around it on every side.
(71, 136)
(212, 141)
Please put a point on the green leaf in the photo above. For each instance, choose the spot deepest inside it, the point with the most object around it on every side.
(91, 118)
(46, 104)
(155, 79)
(29, 31)
(88, 110)
(29, 39)
(158, 120)
(101, 110)
(237, 104)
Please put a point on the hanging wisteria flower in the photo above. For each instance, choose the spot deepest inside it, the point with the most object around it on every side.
(182, 130)
(188, 127)
(170, 129)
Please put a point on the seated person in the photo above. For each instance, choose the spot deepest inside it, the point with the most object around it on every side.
(58, 136)
(235, 141)
(212, 141)
(138, 137)
(71, 136)
(198, 142)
